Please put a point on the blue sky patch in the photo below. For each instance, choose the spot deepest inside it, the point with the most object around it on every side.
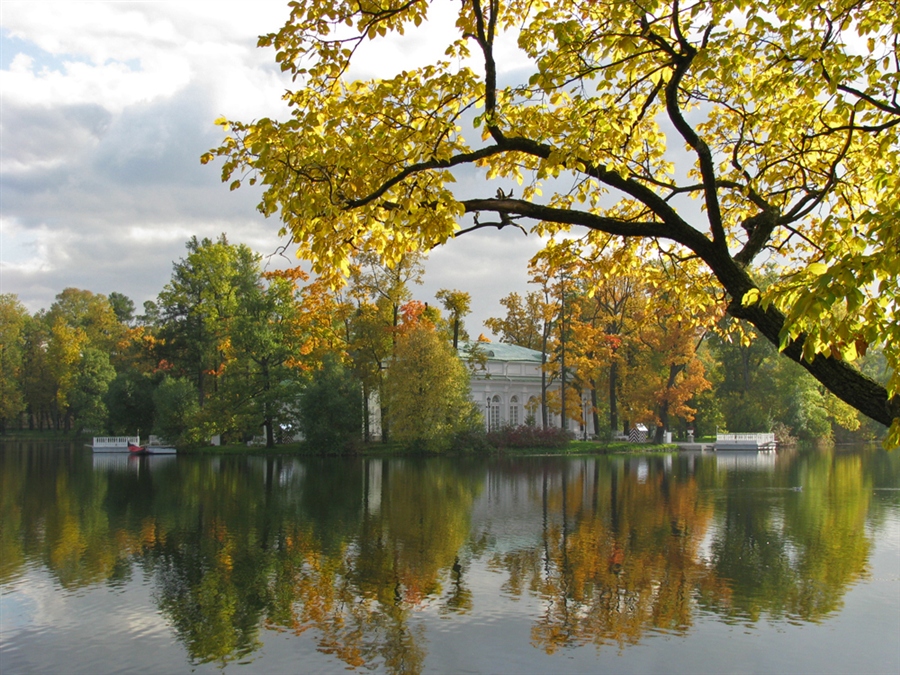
(10, 46)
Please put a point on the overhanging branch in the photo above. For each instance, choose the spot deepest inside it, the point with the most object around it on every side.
(682, 234)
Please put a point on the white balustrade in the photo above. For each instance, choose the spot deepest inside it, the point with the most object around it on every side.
(114, 441)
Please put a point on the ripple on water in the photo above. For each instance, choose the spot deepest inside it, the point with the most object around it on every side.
(94, 628)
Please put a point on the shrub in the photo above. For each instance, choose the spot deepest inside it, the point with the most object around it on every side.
(783, 435)
(470, 440)
(526, 436)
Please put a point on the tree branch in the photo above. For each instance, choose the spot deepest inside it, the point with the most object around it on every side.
(707, 168)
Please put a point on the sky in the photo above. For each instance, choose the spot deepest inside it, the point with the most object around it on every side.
(105, 110)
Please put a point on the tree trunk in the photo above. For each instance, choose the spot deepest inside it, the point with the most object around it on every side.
(366, 430)
(594, 406)
(545, 420)
(663, 425)
(613, 403)
(267, 408)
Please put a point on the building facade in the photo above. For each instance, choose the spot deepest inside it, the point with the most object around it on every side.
(506, 385)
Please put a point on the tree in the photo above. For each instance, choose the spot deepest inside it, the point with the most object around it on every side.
(13, 317)
(427, 390)
(523, 324)
(123, 306)
(243, 336)
(758, 389)
(370, 346)
(378, 290)
(331, 407)
(175, 401)
(38, 382)
(266, 337)
(605, 324)
(91, 313)
(68, 353)
(457, 304)
(780, 117)
(87, 396)
(129, 401)
(197, 306)
(387, 283)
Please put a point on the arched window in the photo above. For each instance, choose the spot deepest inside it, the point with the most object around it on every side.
(494, 413)
(514, 411)
(531, 410)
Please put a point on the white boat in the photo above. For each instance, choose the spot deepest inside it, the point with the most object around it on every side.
(113, 443)
(126, 443)
(745, 442)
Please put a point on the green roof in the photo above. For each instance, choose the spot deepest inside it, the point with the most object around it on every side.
(500, 351)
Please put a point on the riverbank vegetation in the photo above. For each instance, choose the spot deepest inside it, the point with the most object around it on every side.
(252, 358)
(455, 448)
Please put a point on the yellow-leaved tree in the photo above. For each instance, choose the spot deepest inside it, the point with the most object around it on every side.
(779, 119)
(427, 389)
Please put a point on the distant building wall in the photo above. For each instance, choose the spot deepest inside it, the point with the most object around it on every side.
(506, 385)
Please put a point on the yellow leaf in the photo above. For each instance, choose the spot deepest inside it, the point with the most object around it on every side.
(751, 297)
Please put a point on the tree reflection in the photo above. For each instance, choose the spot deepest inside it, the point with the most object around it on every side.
(349, 553)
(618, 554)
(361, 601)
(53, 513)
(795, 557)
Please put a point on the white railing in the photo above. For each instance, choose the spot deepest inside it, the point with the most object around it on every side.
(114, 441)
(761, 439)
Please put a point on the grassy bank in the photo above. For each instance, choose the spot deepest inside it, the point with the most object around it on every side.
(610, 448)
(26, 435)
(375, 449)
(399, 450)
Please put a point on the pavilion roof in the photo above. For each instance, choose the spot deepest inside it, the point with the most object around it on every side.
(501, 351)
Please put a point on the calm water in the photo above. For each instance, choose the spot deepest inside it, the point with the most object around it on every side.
(694, 564)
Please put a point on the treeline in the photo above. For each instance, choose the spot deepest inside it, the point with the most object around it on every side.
(231, 350)
(228, 349)
(648, 339)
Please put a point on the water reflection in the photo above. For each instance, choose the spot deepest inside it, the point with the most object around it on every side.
(618, 552)
(350, 553)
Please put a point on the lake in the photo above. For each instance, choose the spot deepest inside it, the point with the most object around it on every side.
(690, 563)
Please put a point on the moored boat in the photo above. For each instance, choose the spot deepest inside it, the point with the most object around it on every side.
(745, 442)
(113, 443)
(128, 444)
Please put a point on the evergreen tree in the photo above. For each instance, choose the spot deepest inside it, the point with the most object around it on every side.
(331, 407)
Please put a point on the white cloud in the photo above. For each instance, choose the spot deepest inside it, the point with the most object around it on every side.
(106, 109)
